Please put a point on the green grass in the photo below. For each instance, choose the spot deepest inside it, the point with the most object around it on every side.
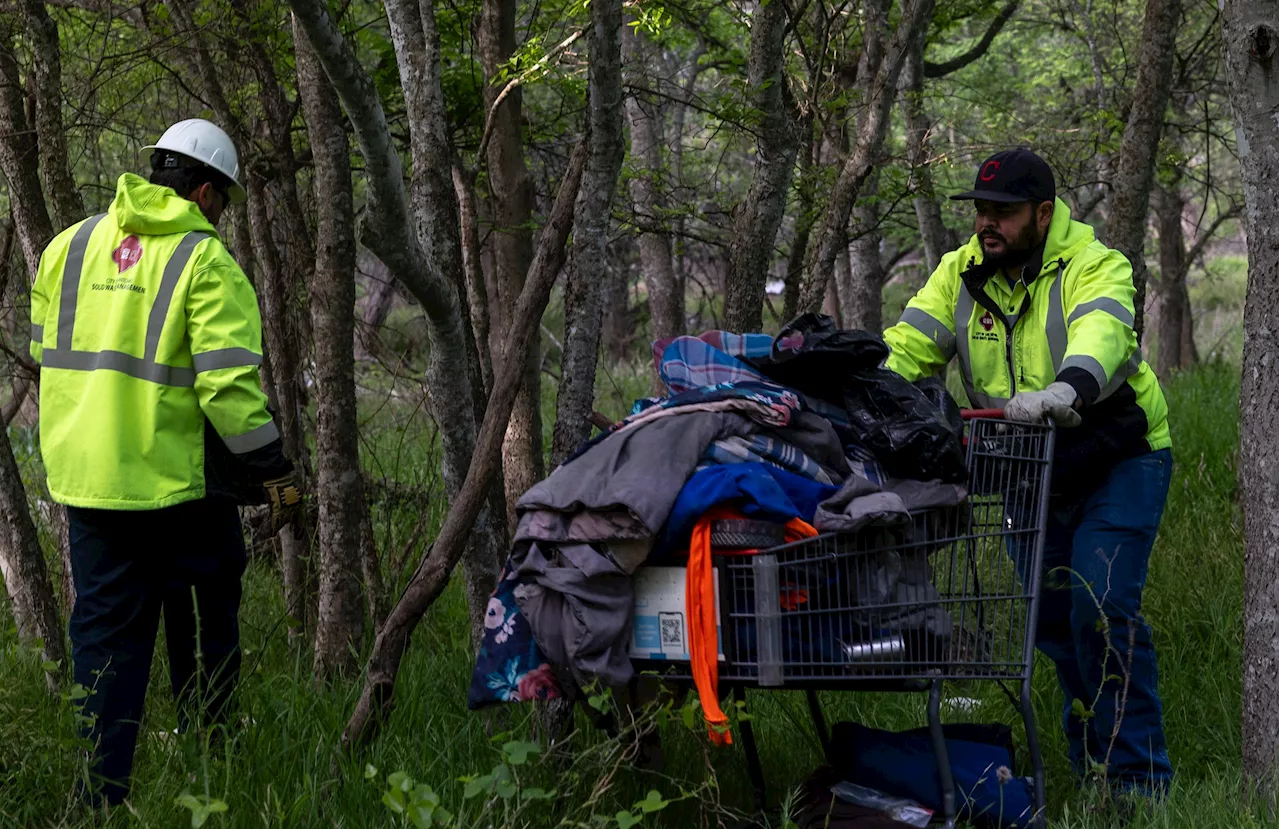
(279, 771)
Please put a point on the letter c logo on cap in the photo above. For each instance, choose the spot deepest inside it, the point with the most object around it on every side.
(989, 170)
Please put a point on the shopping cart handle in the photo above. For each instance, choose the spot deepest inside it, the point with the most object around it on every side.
(970, 414)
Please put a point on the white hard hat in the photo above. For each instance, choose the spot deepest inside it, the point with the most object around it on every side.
(205, 142)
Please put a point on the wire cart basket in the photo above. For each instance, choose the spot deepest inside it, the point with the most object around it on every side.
(951, 595)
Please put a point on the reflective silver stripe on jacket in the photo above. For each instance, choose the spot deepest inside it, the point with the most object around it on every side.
(37, 333)
(932, 328)
(1055, 325)
(256, 439)
(141, 368)
(964, 310)
(1105, 304)
(224, 358)
(121, 362)
(1058, 322)
(71, 280)
(164, 296)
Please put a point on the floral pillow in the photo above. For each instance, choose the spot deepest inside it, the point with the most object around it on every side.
(510, 666)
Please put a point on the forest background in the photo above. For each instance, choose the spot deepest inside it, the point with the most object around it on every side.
(467, 220)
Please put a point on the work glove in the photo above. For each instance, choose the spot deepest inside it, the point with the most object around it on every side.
(1054, 402)
(285, 499)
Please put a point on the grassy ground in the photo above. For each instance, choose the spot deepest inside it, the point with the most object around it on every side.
(281, 770)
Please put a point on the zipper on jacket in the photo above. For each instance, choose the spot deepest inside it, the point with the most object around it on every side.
(1013, 376)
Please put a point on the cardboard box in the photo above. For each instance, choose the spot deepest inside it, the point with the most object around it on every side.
(660, 625)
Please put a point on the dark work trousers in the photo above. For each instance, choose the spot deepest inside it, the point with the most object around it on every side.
(128, 567)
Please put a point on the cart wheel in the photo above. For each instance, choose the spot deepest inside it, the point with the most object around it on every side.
(739, 534)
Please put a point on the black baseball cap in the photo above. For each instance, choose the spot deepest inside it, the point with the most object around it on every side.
(1012, 176)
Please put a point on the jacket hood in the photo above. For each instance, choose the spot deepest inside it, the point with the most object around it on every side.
(151, 210)
(1065, 239)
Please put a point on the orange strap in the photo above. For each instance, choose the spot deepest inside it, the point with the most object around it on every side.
(700, 604)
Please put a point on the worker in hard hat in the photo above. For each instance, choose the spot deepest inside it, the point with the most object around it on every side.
(153, 425)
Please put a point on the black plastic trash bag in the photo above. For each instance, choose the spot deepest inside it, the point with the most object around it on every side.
(811, 355)
(910, 435)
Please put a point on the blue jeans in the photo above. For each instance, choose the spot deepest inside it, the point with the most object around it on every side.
(1096, 552)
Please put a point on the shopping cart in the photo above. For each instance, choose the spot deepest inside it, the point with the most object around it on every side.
(950, 596)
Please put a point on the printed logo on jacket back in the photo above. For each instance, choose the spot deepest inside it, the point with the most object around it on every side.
(128, 254)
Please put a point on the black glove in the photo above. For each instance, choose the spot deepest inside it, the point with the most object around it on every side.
(285, 499)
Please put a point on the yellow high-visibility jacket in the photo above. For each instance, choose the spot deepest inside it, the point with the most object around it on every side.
(1069, 318)
(145, 328)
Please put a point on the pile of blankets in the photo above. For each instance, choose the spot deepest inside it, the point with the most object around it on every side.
(768, 426)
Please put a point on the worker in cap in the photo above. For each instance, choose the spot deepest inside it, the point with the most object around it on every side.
(153, 427)
(1040, 316)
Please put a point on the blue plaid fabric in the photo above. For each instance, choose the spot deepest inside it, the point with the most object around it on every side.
(689, 363)
(762, 449)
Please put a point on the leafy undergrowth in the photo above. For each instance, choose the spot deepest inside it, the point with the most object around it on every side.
(439, 764)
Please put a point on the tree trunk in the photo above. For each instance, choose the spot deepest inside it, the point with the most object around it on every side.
(511, 197)
(1250, 41)
(464, 184)
(861, 302)
(644, 113)
(339, 485)
(25, 577)
(933, 233)
(285, 374)
(391, 234)
(877, 79)
(758, 217)
(1175, 307)
(20, 163)
(68, 208)
(435, 211)
(574, 402)
(1135, 167)
(805, 217)
(617, 323)
(432, 575)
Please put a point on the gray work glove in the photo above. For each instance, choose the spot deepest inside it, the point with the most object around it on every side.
(1054, 402)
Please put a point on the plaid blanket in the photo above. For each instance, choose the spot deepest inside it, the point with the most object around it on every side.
(763, 449)
(687, 364)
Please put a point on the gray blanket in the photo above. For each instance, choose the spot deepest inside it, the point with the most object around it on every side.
(623, 488)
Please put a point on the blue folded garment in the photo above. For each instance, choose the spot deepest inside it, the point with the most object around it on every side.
(758, 490)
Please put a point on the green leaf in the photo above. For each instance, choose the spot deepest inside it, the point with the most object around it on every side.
(51, 665)
(420, 815)
(394, 800)
(517, 753)
(369, 771)
(400, 780)
(504, 784)
(1077, 708)
(653, 802)
(626, 820)
(477, 786)
(537, 794)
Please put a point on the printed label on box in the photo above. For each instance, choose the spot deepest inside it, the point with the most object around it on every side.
(660, 626)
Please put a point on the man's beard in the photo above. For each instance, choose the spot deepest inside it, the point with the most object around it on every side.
(1016, 251)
